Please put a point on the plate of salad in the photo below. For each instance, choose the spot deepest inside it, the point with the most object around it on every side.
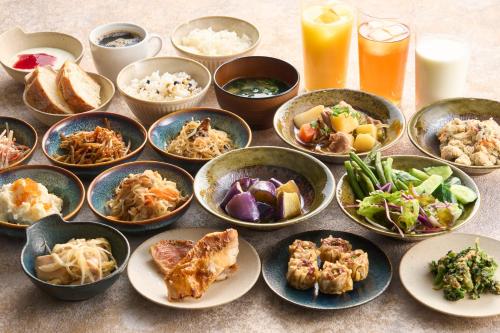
(407, 197)
(456, 274)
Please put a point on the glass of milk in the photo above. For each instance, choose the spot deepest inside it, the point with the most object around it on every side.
(441, 63)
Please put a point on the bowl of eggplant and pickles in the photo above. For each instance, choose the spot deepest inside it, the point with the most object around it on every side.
(406, 197)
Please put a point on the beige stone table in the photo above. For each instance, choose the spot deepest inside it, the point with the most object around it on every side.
(23, 308)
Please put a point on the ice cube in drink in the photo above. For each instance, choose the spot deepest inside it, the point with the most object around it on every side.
(383, 51)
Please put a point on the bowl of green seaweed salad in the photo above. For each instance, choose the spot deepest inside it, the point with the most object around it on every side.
(407, 197)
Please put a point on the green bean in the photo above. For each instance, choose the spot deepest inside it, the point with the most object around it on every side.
(369, 185)
(401, 185)
(387, 168)
(379, 169)
(351, 177)
(365, 168)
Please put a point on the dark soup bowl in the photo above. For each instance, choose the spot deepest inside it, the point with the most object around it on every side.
(167, 128)
(258, 112)
(102, 189)
(132, 132)
(58, 181)
(53, 230)
(24, 134)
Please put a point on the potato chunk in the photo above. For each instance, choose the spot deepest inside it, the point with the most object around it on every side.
(308, 116)
(367, 129)
(364, 142)
(344, 123)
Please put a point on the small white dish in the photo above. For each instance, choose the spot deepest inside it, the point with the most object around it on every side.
(417, 279)
(150, 111)
(146, 279)
(217, 23)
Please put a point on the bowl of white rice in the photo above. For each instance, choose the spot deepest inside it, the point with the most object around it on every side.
(214, 40)
(154, 87)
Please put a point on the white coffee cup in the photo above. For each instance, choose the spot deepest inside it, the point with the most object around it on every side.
(109, 61)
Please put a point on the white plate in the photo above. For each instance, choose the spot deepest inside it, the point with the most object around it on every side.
(417, 279)
(148, 282)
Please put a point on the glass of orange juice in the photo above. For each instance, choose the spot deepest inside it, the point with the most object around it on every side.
(383, 50)
(326, 36)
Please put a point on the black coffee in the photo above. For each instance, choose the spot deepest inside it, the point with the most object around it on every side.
(119, 39)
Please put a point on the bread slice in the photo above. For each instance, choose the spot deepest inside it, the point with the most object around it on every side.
(42, 92)
(79, 90)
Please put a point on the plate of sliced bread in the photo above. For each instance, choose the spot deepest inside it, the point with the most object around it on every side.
(53, 95)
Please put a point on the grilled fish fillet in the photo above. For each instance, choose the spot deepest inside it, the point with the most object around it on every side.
(167, 253)
(211, 256)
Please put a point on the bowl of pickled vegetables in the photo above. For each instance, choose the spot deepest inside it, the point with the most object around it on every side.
(330, 123)
(406, 196)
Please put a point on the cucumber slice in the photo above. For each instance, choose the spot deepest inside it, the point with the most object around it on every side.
(463, 194)
(429, 185)
(418, 174)
(453, 181)
(443, 171)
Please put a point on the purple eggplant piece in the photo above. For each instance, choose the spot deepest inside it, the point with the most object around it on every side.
(289, 205)
(264, 191)
(243, 207)
(276, 182)
(246, 182)
(267, 212)
(233, 190)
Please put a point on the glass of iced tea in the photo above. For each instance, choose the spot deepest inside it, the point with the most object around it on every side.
(383, 50)
(326, 36)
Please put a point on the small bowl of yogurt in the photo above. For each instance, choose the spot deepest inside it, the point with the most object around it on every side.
(22, 52)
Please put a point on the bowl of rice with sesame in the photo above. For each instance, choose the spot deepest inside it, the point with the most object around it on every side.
(154, 87)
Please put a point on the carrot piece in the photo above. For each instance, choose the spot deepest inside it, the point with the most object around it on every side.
(307, 133)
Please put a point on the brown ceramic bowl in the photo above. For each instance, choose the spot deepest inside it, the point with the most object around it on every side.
(257, 112)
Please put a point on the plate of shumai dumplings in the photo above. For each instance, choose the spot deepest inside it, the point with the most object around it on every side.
(325, 269)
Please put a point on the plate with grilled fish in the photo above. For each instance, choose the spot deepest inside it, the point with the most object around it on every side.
(325, 269)
(194, 268)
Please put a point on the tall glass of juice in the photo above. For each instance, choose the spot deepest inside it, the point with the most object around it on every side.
(383, 50)
(326, 37)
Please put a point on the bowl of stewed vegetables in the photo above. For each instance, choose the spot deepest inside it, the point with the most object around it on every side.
(331, 123)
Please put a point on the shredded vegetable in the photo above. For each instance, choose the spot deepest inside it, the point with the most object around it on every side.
(197, 139)
(92, 147)
(79, 261)
(144, 196)
(10, 150)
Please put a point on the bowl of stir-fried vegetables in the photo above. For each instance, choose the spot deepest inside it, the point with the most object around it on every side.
(407, 197)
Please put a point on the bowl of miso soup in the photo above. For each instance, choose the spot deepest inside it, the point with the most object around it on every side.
(254, 87)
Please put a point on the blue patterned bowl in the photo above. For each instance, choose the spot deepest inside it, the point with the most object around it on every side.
(275, 264)
(130, 130)
(58, 181)
(54, 230)
(102, 188)
(168, 127)
(24, 134)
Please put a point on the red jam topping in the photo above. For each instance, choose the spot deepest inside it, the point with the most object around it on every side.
(30, 61)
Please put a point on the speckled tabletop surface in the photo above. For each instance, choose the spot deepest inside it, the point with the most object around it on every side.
(24, 308)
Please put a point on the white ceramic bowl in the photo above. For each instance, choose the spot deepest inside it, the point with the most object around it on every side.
(217, 23)
(16, 40)
(49, 119)
(150, 111)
